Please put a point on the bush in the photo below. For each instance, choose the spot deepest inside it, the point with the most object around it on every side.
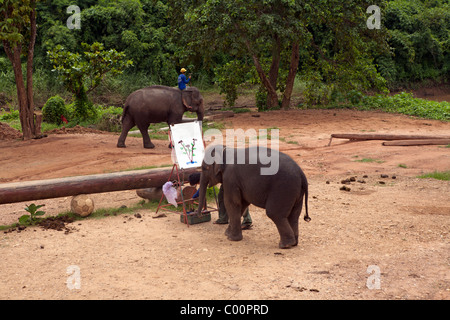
(261, 98)
(53, 109)
(12, 115)
(405, 103)
(110, 120)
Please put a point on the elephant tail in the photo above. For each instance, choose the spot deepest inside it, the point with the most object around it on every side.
(306, 218)
(125, 109)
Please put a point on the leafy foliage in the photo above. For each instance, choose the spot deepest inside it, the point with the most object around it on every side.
(110, 119)
(405, 103)
(32, 209)
(236, 43)
(327, 40)
(229, 77)
(13, 115)
(53, 109)
(419, 35)
(82, 73)
(15, 17)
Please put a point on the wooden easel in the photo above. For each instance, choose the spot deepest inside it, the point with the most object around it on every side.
(180, 182)
(179, 187)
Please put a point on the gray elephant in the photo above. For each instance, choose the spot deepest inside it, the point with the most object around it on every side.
(158, 104)
(280, 192)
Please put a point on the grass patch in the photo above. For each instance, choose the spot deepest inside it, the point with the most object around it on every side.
(106, 212)
(153, 136)
(97, 214)
(369, 160)
(438, 175)
(288, 141)
(405, 103)
(237, 110)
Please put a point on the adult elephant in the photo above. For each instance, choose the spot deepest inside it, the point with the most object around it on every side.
(280, 192)
(158, 104)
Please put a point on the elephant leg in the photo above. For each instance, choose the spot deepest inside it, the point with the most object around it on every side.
(145, 137)
(294, 217)
(127, 124)
(234, 210)
(279, 212)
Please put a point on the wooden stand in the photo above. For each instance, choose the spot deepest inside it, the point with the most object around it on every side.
(187, 217)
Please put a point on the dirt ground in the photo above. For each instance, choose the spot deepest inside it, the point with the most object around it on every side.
(393, 229)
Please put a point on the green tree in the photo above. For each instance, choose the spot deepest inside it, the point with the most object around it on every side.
(138, 28)
(330, 36)
(419, 35)
(18, 35)
(82, 73)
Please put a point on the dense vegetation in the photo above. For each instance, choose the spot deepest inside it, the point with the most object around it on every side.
(274, 47)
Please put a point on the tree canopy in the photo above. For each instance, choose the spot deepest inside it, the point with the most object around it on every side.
(269, 43)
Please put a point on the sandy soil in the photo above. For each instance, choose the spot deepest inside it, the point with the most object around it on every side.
(400, 226)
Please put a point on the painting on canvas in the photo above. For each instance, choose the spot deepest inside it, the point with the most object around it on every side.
(187, 143)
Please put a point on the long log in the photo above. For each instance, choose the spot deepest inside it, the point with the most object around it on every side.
(423, 142)
(99, 183)
(382, 136)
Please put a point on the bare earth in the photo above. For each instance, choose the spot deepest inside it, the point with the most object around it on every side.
(401, 227)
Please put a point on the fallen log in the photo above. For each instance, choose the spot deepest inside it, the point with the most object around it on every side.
(99, 183)
(382, 136)
(219, 115)
(424, 142)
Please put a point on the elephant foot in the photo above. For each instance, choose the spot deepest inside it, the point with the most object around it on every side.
(149, 146)
(233, 237)
(121, 145)
(288, 244)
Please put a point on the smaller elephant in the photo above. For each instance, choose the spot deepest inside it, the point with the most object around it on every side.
(280, 193)
(158, 104)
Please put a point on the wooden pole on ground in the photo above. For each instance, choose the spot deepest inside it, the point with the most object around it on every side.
(436, 142)
(387, 137)
(99, 183)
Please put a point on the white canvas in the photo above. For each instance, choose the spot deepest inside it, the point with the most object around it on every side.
(188, 145)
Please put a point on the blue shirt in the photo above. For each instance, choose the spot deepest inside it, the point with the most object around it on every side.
(182, 81)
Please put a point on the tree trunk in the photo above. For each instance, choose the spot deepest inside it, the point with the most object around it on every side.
(272, 99)
(295, 58)
(97, 183)
(25, 93)
(274, 69)
(22, 96)
(34, 127)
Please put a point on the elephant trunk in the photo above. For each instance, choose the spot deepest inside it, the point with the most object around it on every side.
(200, 112)
(202, 195)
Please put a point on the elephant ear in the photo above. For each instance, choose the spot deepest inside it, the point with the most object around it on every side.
(218, 171)
(194, 95)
